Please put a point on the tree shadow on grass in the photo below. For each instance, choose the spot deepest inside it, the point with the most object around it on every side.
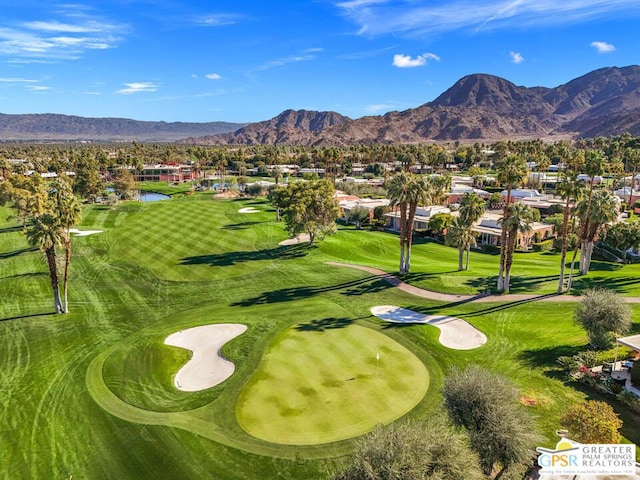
(286, 252)
(296, 293)
(15, 228)
(602, 266)
(251, 202)
(240, 226)
(16, 253)
(25, 275)
(416, 277)
(32, 315)
(547, 356)
(375, 286)
(518, 284)
(324, 324)
(619, 285)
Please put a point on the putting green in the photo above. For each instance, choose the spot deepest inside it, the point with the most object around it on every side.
(319, 385)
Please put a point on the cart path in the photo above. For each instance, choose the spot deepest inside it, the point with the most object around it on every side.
(481, 298)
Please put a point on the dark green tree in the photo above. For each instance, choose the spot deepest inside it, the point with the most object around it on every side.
(308, 207)
(412, 451)
(604, 315)
(487, 405)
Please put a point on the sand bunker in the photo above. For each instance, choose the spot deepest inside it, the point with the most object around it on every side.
(303, 237)
(207, 367)
(454, 332)
(83, 233)
(248, 210)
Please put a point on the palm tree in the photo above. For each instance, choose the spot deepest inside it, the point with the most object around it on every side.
(461, 236)
(517, 222)
(406, 191)
(472, 207)
(570, 190)
(593, 166)
(68, 212)
(46, 233)
(511, 170)
(603, 210)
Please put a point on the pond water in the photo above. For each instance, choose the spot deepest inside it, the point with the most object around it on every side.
(146, 196)
(152, 196)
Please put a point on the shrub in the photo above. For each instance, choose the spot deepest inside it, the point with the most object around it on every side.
(588, 358)
(486, 248)
(495, 200)
(555, 208)
(255, 189)
(592, 422)
(544, 246)
(603, 314)
(572, 242)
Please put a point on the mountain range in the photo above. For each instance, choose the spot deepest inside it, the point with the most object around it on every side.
(49, 126)
(477, 107)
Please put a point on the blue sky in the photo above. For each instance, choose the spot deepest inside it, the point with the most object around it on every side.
(246, 61)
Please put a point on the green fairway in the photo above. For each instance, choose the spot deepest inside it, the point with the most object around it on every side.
(322, 382)
(90, 395)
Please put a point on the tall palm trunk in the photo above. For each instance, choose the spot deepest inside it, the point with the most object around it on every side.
(573, 263)
(563, 253)
(503, 241)
(511, 245)
(50, 254)
(466, 266)
(409, 239)
(587, 257)
(67, 262)
(403, 234)
(461, 258)
(584, 231)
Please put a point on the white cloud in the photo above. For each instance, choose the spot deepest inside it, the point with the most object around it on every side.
(65, 38)
(280, 62)
(17, 80)
(218, 19)
(426, 17)
(137, 87)
(60, 27)
(38, 88)
(603, 47)
(213, 76)
(516, 57)
(405, 61)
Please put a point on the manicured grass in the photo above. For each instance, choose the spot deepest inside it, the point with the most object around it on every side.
(87, 394)
(171, 189)
(320, 382)
(434, 266)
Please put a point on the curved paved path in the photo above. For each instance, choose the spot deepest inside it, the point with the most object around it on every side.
(448, 297)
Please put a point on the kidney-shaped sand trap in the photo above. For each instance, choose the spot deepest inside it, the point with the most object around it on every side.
(207, 367)
(248, 210)
(454, 332)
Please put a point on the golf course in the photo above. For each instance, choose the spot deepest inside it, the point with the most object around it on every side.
(93, 393)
